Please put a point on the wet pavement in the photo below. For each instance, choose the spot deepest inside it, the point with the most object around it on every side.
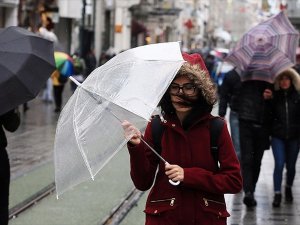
(31, 155)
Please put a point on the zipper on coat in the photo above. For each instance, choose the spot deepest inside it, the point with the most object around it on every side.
(287, 115)
(206, 201)
(171, 200)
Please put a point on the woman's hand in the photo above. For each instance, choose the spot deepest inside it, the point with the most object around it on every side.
(131, 133)
(268, 94)
(174, 172)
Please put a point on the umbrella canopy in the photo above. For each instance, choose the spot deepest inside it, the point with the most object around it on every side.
(266, 50)
(26, 62)
(129, 86)
(64, 63)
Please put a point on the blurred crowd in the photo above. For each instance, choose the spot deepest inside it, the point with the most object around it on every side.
(262, 116)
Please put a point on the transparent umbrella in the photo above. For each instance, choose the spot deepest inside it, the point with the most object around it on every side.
(128, 87)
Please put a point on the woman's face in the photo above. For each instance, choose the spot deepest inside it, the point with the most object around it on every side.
(183, 93)
(284, 82)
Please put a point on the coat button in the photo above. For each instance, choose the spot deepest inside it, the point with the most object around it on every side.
(173, 125)
(155, 211)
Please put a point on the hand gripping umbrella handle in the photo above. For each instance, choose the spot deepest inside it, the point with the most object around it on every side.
(175, 183)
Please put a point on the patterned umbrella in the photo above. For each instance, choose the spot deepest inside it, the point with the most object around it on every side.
(64, 63)
(266, 50)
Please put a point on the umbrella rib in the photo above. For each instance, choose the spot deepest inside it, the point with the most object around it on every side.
(76, 128)
(76, 133)
(93, 92)
(79, 145)
(152, 149)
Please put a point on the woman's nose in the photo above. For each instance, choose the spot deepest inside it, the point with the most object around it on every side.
(180, 90)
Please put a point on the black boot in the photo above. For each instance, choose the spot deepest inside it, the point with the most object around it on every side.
(288, 194)
(249, 199)
(277, 200)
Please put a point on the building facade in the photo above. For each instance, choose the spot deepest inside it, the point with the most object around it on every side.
(9, 13)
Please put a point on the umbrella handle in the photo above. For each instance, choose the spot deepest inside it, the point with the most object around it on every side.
(175, 183)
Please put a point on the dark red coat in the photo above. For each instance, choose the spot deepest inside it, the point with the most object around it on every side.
(199, 199)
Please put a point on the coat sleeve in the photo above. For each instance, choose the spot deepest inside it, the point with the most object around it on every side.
(10, 120)
(143, 162)
(227, 180)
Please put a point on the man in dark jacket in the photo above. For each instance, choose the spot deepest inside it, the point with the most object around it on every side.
(9, 121)
(254, 132)
(229, 95)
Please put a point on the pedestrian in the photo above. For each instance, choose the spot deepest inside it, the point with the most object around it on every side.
(285, 131)
(185, 143)
(254, 133)
(229, 96)
(58, 82)
(90, 62)
(47, 31)
(47, 94)
(25, 107)
(9, 121)
(210, 63)
(79, 70)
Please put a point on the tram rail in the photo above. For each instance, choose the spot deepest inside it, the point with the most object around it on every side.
(32, 200)
(121, 210)
(117, 214)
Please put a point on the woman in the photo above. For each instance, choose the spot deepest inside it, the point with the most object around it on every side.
(285, 131)
(199, 198)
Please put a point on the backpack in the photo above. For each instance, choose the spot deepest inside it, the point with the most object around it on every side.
(216, 125)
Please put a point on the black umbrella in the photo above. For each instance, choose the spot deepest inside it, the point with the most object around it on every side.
(26, 62)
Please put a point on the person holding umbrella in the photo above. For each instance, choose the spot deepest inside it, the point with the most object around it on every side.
(261, 53)
(254, 124)
(285, 131)
(199, 198)
(9, 121)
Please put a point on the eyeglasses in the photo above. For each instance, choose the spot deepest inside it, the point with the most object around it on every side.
(187, 89)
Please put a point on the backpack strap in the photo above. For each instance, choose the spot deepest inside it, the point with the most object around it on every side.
(157, 132)
(216, 125)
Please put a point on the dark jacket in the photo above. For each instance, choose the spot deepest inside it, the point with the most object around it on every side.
(9, 121)
(199, 199)
(229, 92)
(252, 106)
(286, 114)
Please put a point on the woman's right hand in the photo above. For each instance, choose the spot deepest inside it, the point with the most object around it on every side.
(131, 133)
